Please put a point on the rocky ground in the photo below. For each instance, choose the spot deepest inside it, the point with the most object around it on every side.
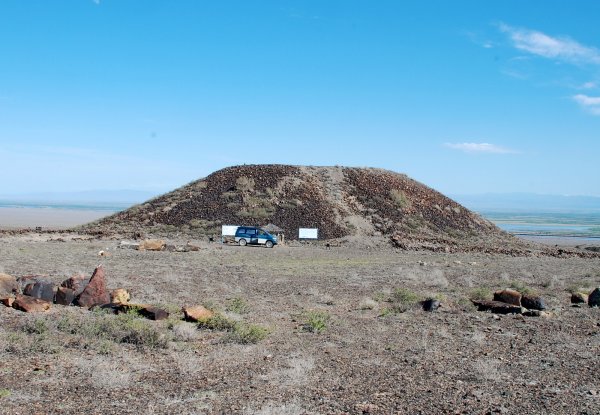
(345, 335)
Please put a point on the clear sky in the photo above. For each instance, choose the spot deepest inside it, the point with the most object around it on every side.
(465, 96)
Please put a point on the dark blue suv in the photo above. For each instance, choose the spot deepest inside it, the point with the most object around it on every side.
(254, 236)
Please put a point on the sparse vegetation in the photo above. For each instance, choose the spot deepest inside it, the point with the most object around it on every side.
(4, 393)
(520, 287)
(238, 305)
(399, 198)
(243, 333)
(480, 293)
(315, 321)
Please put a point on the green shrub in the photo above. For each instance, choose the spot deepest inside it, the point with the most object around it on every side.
(520, 287)
(399, 198)
(238, 305)
(4, 393)
(217, 322)
(315, 321)
(480, 293)
(404, 296)
(246, 334)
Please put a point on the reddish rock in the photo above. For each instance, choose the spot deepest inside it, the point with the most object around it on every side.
(197, 313)
(8, 284)
(64, 296)
(30, 304)
(95, 292)
(533, 302)
(508, 296)
(76, 283)
(7, 301)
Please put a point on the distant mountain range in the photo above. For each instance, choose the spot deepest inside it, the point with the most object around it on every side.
(528, 202)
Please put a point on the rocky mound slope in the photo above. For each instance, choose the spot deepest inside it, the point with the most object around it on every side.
(348, 203)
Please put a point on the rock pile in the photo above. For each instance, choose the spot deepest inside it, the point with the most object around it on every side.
(510, 301)
(34, 294)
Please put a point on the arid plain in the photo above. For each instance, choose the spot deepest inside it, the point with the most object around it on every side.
(333, 331)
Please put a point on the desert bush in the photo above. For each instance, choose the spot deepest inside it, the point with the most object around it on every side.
(4, 393)
(367, 304)
(315, 321)
(579, 287)
(404, 296)
(520, 287)
(238, 305)
(245, 184)
(185, 332)
(217, 322)
(229, 195)
(399, 198)
(480, 293)
(246, 334)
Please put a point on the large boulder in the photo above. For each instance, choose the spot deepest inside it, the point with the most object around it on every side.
(42, 289)
(533, 302)
(197, 313)
(594, 298)
(95, 292)
(30, 304)
(8, 284)
(152, 245)
(508, 296)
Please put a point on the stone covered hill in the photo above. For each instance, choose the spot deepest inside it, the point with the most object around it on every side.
(350, 203)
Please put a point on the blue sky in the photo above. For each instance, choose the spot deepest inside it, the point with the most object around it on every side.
(465, 96)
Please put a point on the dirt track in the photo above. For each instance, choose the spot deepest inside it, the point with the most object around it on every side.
(366, 360)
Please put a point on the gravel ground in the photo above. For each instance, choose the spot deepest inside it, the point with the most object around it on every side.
(370, 357)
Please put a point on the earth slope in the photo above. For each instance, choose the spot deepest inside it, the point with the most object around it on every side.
(359, 204)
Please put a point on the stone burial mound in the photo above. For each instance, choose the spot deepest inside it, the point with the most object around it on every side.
(359, 205)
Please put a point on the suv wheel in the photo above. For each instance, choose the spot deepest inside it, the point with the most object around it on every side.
(269, 244)
(242, 242)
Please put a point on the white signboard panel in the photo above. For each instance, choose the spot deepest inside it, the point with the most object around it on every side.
(228, 230)
(308, 233)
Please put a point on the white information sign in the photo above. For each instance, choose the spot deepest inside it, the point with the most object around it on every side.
(308, 233)
(228, 230)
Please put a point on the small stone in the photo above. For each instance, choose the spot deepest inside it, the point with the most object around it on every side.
(197, 313)
(594, 298)
(431, 304)
(579, 298)
(533, 302)
(30, 304)
(119, 295)
(64, 296)
(508, 296)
